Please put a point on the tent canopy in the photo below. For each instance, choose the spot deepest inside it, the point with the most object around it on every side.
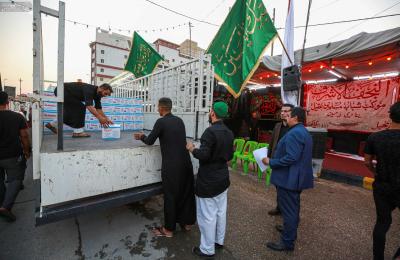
(361, 54)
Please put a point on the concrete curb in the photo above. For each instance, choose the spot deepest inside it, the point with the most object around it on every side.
(364, 182)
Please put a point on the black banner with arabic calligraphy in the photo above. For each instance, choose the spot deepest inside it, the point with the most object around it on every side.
(360, 106)
(267, 102)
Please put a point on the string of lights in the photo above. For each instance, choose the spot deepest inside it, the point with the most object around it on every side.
(332, 64)
(129, 31)
(185, 24)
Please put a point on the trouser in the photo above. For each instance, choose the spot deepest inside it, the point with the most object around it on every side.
(277, 202)
(75, 130)
(14, 169)
(74, 111)
(385, 203)
(178, 189)
(289, 204)
(211, 218)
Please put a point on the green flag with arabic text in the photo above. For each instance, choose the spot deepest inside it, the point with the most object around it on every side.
(240, 43)
(142, 58)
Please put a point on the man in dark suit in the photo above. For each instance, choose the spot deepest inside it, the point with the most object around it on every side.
(291, 173)
(280, 129)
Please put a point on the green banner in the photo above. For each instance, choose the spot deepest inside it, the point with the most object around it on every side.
(142, 57)
(240, 43)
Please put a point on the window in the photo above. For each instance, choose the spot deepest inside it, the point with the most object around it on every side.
(125, 56)
(101, 70)
(101, 79)
(102, 61)
(102, 51)
(173, 60)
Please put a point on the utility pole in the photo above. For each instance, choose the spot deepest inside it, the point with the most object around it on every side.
(273, 21)
(190, 39)
(20, 82)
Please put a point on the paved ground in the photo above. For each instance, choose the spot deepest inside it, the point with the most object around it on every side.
(336, 223)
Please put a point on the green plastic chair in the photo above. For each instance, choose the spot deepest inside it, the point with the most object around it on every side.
(268, 176)
(248, 149)
(238, 145)
(253, 161)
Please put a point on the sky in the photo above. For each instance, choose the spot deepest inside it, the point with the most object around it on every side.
(16, 28)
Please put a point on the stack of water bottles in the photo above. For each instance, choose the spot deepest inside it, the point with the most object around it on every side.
(125, 112)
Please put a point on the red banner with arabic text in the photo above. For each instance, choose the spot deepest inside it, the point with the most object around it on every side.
(360, 106)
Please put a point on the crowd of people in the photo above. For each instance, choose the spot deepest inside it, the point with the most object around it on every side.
(290, 157)
(291, 162)
(204, 199)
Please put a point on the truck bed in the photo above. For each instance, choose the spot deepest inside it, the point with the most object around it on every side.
(95, 142)
(91, 166)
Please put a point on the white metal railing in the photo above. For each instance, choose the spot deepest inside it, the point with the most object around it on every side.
(188, 85)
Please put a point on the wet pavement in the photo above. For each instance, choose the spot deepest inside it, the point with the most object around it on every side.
(336, 223)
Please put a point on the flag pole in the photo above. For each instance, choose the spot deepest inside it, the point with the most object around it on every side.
(305, 32)
(284, 48)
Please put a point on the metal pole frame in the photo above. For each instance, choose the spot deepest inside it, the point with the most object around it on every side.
(38, 70)
(60, 75)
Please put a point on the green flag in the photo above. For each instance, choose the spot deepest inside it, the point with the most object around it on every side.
(142, 57)
(240, 43)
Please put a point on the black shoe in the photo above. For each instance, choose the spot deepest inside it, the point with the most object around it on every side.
(397, 255)
(279, 228)
(218, 246)
(196, 251)
(7, 215)
(274, 212)
(279, 247)
(185, 228)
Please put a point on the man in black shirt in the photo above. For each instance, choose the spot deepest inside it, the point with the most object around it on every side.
(176, 170)
(14, 150)
(212, 181)
(77, 97)
(384, 147)
(280, 129)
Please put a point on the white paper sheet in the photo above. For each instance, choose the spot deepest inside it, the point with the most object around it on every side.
(259, 154)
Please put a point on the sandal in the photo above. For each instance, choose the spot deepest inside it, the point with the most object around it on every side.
(51, 128)
(80, 135)
(160, 232)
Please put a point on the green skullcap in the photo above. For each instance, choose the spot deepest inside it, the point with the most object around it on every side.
(220, 109)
